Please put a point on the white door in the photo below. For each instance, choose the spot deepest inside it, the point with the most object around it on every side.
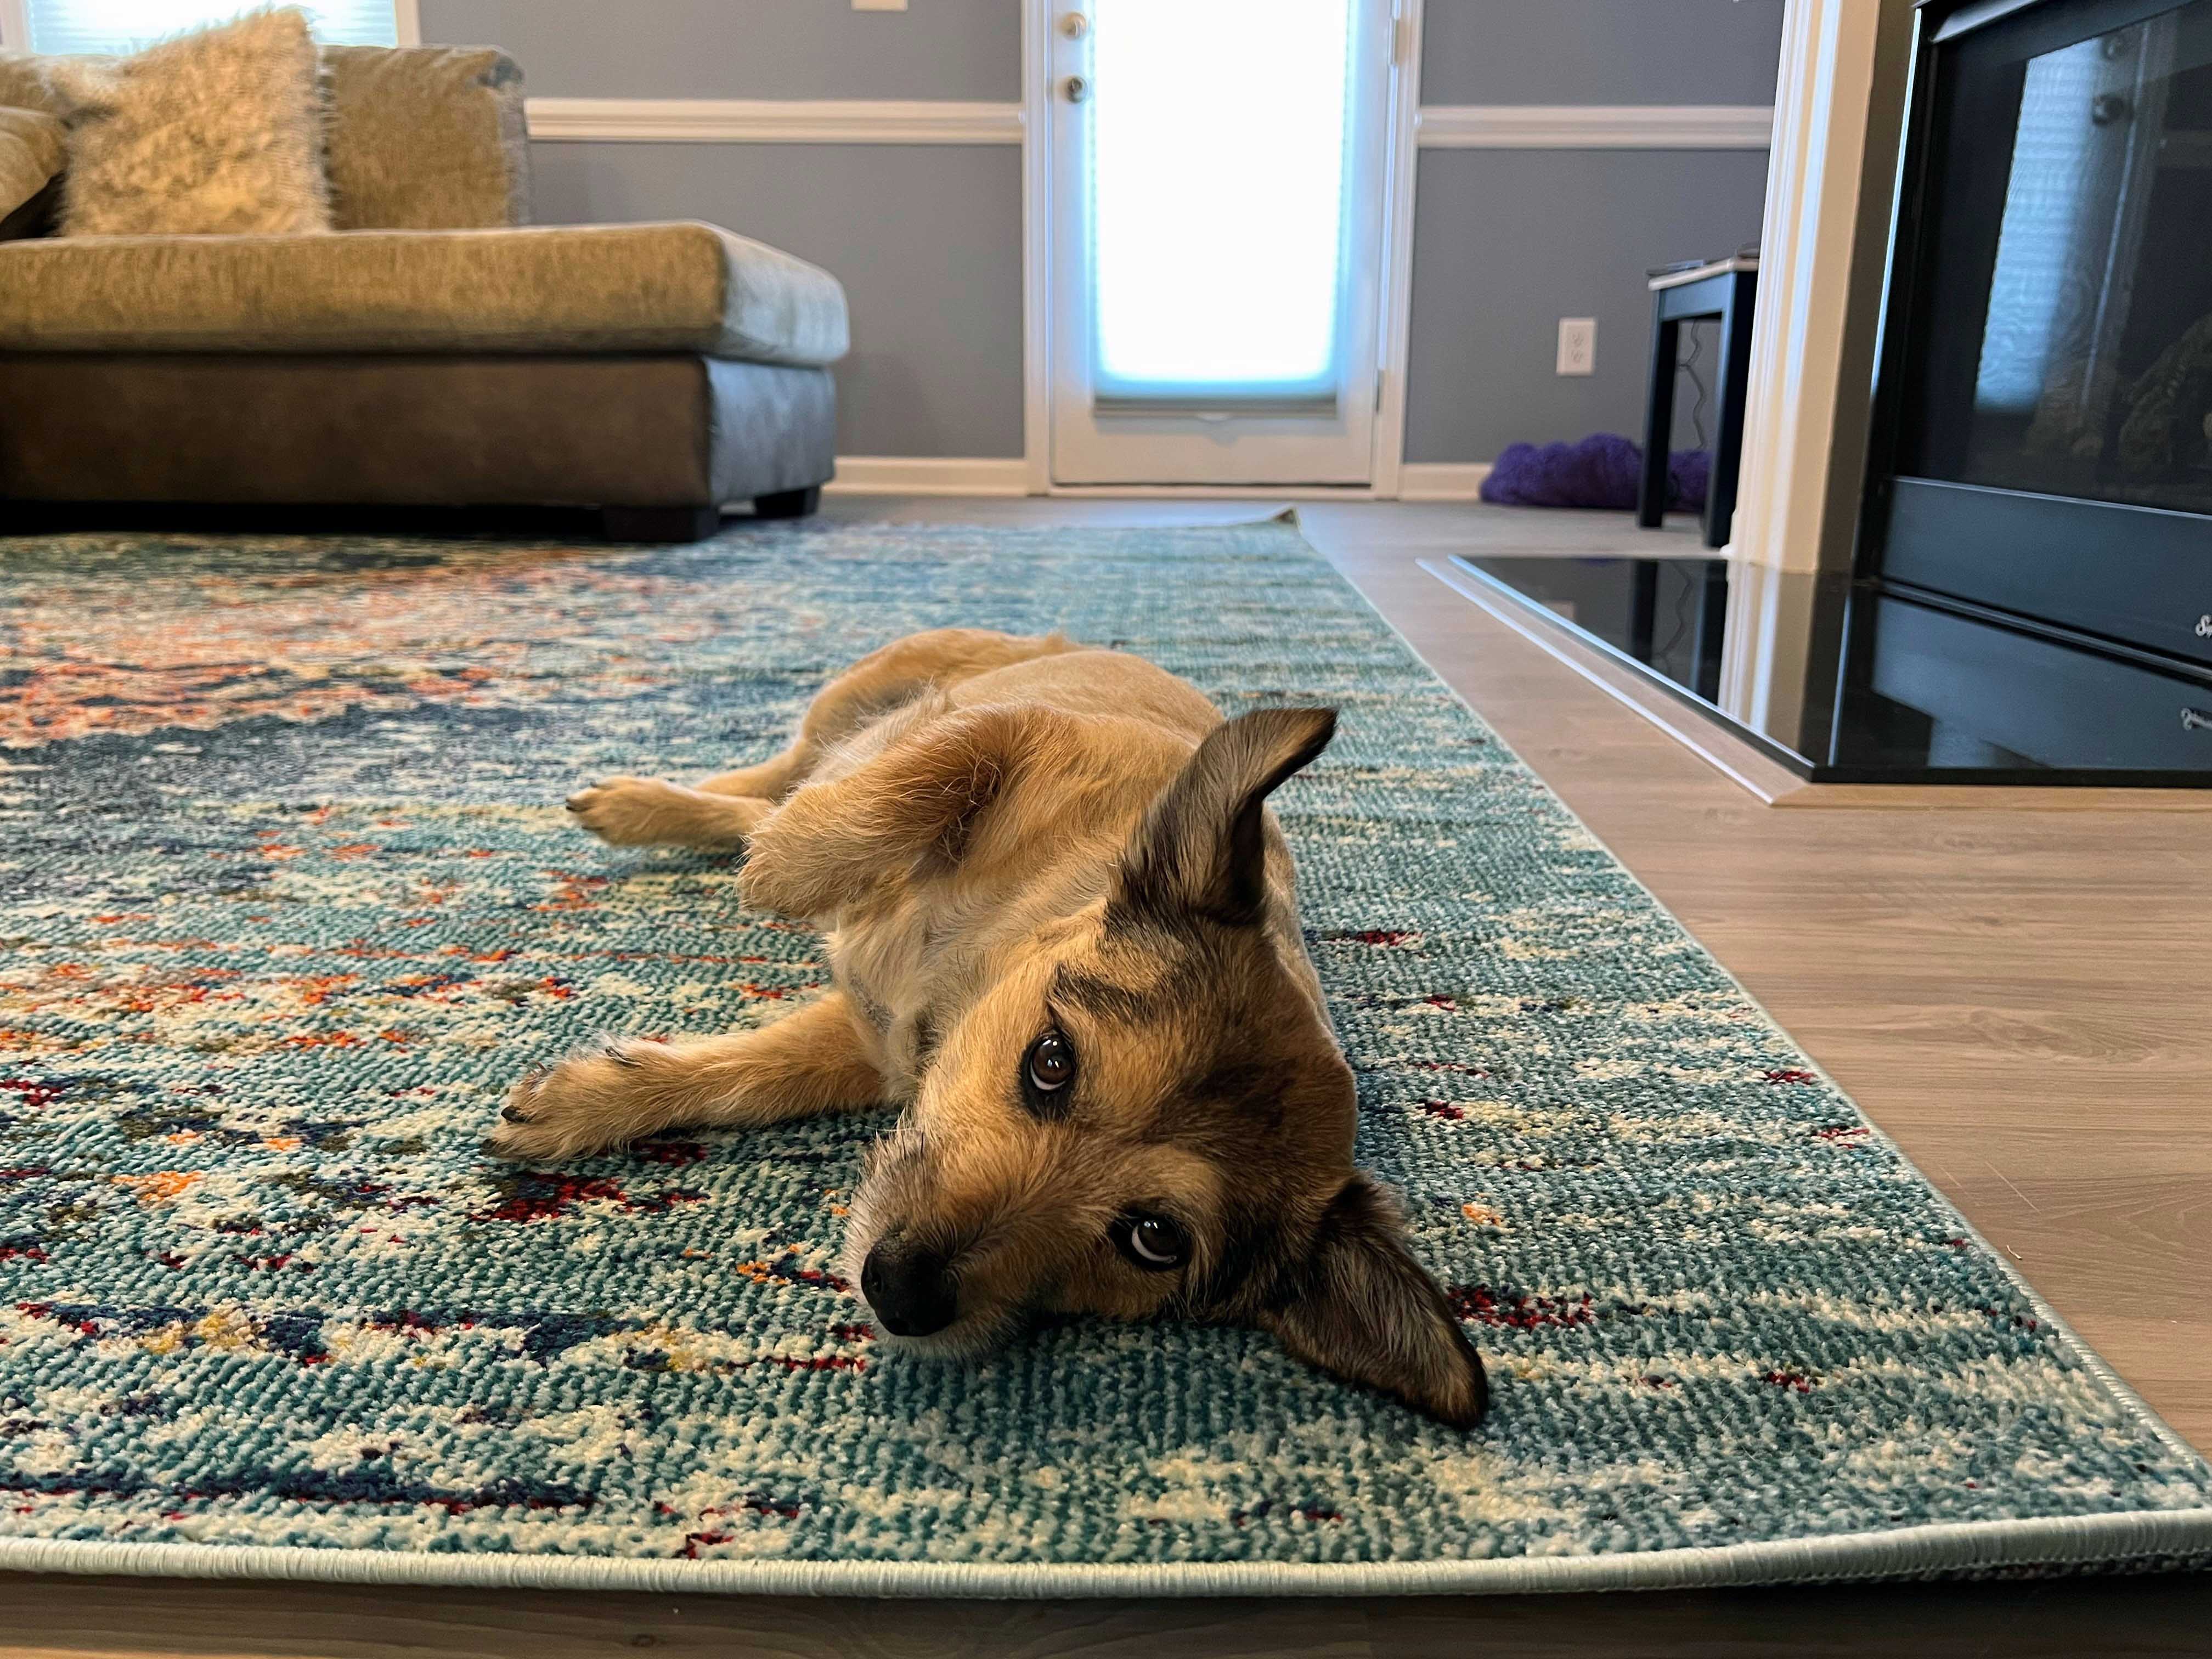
(1218, 171)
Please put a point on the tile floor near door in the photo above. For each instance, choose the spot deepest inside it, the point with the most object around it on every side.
(2018, 996)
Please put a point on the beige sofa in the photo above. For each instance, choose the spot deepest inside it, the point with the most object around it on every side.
(434, 351)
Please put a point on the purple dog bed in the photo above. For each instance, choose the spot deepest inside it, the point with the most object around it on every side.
(1601, 471)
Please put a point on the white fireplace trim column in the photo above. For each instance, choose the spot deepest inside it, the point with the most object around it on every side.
(1838, 110)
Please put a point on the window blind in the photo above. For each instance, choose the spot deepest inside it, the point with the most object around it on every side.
(122, 25)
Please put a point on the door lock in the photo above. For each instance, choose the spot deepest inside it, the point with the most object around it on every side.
(1076, 87)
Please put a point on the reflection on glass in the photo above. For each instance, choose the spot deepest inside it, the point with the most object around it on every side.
(1217, 143)
(2046, 229)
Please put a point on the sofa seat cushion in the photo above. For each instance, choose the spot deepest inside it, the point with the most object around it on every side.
(566, 289)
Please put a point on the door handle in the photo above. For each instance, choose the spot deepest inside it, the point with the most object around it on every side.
(1076, 88)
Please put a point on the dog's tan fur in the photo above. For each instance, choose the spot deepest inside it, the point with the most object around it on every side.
(1003, 836)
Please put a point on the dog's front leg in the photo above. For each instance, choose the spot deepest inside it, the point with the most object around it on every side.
(821, 1058)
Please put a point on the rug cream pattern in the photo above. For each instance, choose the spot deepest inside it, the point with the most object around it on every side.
(287, 897)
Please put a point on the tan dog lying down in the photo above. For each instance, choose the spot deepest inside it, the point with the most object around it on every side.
(1064, 935)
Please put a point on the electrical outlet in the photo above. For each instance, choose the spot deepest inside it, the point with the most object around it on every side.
(1577, 345)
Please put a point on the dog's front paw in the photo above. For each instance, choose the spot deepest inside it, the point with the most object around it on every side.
(629, 811)
(590, 1102)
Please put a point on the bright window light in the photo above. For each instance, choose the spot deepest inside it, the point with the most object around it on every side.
(1217, 195)
(122, 25)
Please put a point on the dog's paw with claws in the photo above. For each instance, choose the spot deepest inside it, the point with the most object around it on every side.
(629, 811)
(590, 1102)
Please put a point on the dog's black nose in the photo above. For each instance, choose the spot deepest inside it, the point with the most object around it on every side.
(910, 1289)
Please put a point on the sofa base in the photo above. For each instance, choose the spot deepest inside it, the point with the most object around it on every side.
(659, 431)
(658, 524)
(789, 503)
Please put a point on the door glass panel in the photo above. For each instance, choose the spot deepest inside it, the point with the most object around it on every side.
(1219, 150)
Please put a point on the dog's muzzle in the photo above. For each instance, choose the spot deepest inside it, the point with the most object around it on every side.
(911, 1289)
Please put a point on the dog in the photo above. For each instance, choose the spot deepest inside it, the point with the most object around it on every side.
(1063, 933)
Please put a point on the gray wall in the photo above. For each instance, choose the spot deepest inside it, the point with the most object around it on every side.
(1507, 242)
(1599, 51)
(957, 49)
(927, 238)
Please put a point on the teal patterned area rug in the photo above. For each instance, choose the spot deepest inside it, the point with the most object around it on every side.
(287, 897)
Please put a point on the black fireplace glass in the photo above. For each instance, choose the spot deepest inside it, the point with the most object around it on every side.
(2064, 313)
(1858, 686)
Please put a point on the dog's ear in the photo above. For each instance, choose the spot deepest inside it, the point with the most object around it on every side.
(1201, 846)
(911, 808)
(1362, 1307)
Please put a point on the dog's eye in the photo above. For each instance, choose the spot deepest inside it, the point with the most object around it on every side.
(1150, 1242)
(1049, 1068)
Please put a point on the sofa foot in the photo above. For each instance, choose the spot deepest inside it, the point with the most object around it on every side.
(789, 503)
(658, 524)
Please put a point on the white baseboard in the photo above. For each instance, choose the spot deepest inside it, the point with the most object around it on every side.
(1441, 480)
(930, 475)
(1187, 492)
(992, 475)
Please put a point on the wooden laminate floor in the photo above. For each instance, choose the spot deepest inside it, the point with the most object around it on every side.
(2022, 999)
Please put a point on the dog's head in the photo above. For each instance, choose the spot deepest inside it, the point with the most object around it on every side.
(1146, 1113)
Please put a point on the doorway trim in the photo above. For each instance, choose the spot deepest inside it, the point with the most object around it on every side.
(1395, 288)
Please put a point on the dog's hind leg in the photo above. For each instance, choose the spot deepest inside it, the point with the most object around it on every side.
(821, 1058)
(653, 813)
(880, 683)
(648, 812)
(771, 781)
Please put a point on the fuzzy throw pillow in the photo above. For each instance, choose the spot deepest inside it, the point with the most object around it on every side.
(217, 132)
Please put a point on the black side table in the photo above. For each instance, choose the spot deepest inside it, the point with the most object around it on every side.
(1727, 289)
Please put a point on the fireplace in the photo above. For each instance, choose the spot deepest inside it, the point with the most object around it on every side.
(2029, 597)
(2044, 421)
